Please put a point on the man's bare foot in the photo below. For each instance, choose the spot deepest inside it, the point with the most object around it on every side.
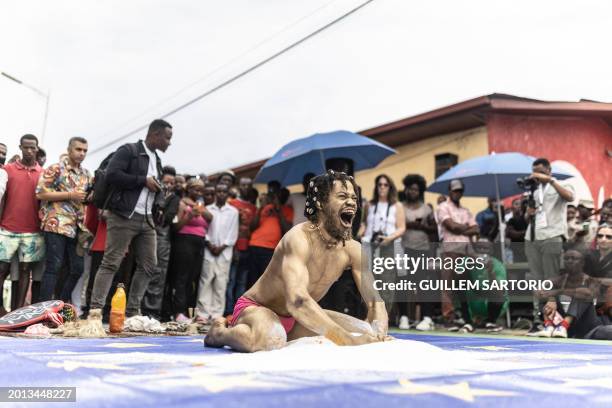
(215, 333)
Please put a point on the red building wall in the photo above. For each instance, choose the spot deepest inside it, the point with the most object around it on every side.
(582, 141)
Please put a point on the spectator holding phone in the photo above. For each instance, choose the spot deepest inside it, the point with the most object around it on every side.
(63, 188)
(270, 223)
(130, 224)
(420, 224)
(188, 245)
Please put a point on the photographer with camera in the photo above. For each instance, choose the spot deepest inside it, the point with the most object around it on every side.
(585, 226)
(546, 215)
(134, 178)
(382, 228)
(384, 221)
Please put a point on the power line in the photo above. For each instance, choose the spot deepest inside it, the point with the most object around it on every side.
(237, 76)
(214, 71)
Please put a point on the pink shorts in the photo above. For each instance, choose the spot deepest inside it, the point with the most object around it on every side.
(244, 302)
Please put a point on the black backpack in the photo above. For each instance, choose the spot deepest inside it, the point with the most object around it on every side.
(102, 190)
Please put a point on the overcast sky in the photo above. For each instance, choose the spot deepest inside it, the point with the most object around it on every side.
(113, 66)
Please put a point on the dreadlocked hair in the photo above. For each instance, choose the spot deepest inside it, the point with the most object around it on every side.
(319, 189)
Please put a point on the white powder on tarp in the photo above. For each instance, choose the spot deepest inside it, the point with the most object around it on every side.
(320, 354)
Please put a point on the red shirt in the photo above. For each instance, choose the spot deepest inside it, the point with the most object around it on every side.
(96, 226)
(269, 233)
(21, 206)
(246, 212)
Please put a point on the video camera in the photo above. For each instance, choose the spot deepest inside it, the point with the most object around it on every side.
(529, 185)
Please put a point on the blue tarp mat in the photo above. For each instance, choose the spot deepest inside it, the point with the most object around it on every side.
(176, 372)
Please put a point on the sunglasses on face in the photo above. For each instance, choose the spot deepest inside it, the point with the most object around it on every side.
(383, 185)
(601, 236)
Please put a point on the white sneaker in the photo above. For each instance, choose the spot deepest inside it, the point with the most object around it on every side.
(403, 323)
(560, 332)
(547, 331)
(467, 328)
(426, 324)
(493, 327)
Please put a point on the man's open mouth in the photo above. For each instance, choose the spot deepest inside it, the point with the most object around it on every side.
(346, 217)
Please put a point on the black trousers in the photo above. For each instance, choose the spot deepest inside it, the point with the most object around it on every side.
(427, 304)
(259, 259)
(187, 258)
(123, 275)
(152, 301)
(96, 260)
(587, 324)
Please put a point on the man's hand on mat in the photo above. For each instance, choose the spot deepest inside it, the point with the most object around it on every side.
(363, 339)
(379, 322)
(220, 321)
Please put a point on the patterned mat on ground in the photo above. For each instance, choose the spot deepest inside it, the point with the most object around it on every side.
(415, 370)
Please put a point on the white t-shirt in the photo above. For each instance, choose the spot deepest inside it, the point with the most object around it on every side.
(146, 198)
(223, 229)
(381, 218)
(551, 214)
(3, 181)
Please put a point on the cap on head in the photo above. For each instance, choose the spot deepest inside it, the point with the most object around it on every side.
(195, 181)
(456, 185)
(586, 204)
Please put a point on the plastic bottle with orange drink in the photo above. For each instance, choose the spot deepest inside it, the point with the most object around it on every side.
(117, 314)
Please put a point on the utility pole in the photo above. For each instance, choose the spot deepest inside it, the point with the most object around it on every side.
(46, 95)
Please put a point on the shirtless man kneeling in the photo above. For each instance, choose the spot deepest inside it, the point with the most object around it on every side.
(282, 305)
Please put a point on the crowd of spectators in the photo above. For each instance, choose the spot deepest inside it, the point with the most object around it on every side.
(186, 247)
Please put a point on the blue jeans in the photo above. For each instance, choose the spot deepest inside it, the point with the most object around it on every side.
(57, 246)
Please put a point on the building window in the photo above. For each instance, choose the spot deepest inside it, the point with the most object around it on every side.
(444, 162)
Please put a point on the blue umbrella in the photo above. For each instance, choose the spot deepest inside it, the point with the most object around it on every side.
(308, 155)
(494, 175)
(491, 176)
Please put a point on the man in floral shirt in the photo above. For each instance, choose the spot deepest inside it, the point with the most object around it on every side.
(63, 188)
